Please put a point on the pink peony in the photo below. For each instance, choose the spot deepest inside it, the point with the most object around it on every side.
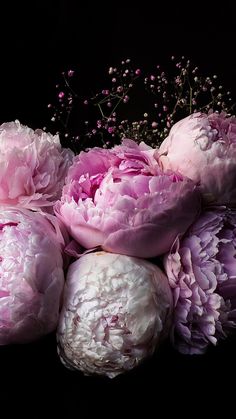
(120, 199)
(31, 274)
(203, 147)
(201, 269)
(32, 166)
(116, 311)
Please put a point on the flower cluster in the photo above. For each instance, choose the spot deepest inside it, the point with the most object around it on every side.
(134, 103)
(33, 166)
(201, 265)
(143, 226)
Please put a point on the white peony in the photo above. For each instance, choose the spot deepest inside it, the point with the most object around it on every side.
(116, 310)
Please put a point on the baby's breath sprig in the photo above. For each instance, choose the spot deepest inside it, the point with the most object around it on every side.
(182, 91)
(109, 127)
(65, 98)
(116, 111)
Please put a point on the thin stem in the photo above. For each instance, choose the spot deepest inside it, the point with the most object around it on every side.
(190, 100)
(101, 111)
(69, 87)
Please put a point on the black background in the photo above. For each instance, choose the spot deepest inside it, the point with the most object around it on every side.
(38, 41)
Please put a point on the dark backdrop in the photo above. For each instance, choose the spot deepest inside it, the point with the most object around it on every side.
(37, 43)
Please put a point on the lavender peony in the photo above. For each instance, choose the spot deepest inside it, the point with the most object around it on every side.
(202, 272)
(120, 199)
(33, 166)
(203, 147)
(31, 275)
(116, 310)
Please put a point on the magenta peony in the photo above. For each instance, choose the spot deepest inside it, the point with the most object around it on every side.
(202, 272)
(203, 147)
(33, 166)
(116, 310)
(31, 275)
(120, 199)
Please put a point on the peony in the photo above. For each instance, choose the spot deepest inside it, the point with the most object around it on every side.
(116, 310)
(31, 275)
(202, 272)
(32, 166)
(203, 147)
(120, 199)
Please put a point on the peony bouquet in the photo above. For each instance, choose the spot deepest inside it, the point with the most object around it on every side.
(123, 244)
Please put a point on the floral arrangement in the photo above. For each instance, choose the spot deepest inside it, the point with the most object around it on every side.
(130, 238)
